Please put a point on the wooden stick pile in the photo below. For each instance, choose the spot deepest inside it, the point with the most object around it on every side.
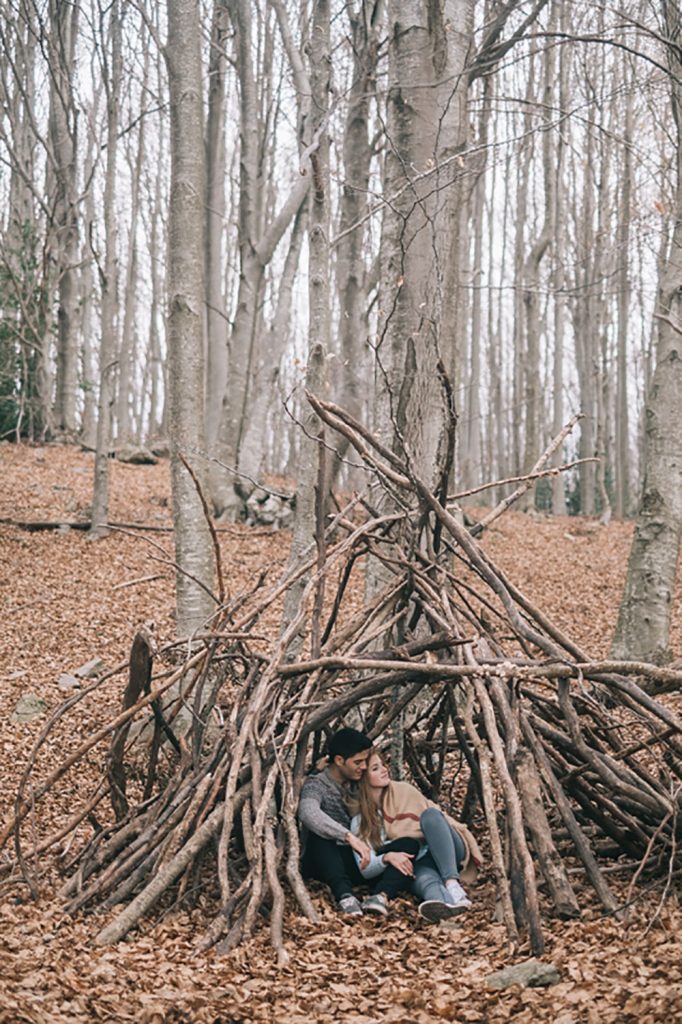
(563, 756)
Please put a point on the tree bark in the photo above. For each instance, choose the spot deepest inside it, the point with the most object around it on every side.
(109, 296)
(157, 379)
(532, 390)
(622, 476)
(319, 322)
(471, 453)
(127, 399)
(426, 129)
(643, 628)
(263, 414)
(217, 329)
(64, 154)
(90, 351)
(583, 325)
(521, 198)
(193, 549)
(27, 283)
(351, 267)
(558, 282)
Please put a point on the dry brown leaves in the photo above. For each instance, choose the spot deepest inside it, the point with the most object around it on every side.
(60, 608)
(574, 570)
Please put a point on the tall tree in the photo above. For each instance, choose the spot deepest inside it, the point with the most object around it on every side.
(522, 199)
(216, 317)
(319, 326)
(63, 176)
(540, 246)
(558, 279)
(352, 273)
(471, 436)
(126, 395)
(421, 244)
(155, 220)
(193, 552)
(108, 277)
(90, 350)
(26, 278)
(622, 481)
(264, 406)
(643, 629)
(584, 317)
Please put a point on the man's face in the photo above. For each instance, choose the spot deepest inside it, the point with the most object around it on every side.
(352, 767)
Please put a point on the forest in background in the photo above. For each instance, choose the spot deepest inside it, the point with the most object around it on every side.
(554, 177)
(461, 222)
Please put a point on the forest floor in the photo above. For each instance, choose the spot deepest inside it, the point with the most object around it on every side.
(65, 599)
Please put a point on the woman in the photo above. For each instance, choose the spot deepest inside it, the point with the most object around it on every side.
(397, 810)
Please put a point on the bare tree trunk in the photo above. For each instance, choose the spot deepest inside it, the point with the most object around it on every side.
(109, 276)
(422, 240)
(471, 452)
(193, 550)
(584, 328)
(26, 277)
(558, 282)
(531, 294)
(89, 369)
(622, 461)
(519, 412)
(510, 452)
(497, 435)
(62, 44)
(351, 269)
(604, 272)
(558, 483)
(265, 346)
(643, 629)
(319, 326)
(265, 403)
(125, 399)
(157, 388)
(426, 128)
(216, 315)
(224, 497)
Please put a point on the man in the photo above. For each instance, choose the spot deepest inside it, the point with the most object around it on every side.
(328, 843)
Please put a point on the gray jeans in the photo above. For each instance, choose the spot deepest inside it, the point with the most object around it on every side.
(446, 853)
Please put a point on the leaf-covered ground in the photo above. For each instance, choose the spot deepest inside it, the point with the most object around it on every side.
(65, 599)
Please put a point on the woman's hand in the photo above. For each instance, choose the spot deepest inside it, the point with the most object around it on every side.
(401, 861)
(362, 849)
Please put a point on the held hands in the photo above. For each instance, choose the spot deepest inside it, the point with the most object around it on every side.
(401, 861)
(362, 849)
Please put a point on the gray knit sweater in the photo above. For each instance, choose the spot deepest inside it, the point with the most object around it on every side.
(322, 808)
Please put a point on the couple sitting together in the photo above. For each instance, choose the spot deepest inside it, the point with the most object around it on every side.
(358, 826)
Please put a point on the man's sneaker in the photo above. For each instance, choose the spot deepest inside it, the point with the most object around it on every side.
(437, 910)
(456, 896)
(350, 905)
(377, 904)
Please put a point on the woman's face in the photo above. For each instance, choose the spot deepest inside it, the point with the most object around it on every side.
(377, 773)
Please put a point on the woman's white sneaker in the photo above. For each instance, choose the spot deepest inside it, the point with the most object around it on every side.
(457, 896)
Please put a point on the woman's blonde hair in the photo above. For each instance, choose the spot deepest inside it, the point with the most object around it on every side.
(370, 818)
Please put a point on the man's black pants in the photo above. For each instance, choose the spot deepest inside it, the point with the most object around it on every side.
(335, 864)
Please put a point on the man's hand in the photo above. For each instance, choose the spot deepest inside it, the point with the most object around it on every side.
(362, 849)
(401, 861)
